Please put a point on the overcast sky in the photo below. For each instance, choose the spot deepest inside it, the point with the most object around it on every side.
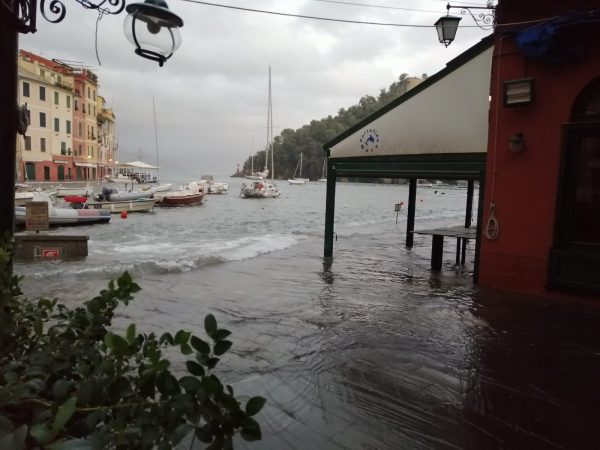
(211, 96)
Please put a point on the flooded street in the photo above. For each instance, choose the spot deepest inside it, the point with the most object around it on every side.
(367, 350)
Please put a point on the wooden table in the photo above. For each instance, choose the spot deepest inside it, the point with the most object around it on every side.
(462, 235)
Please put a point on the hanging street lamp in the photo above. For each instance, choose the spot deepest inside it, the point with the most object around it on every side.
(153, 29)
(447, 25)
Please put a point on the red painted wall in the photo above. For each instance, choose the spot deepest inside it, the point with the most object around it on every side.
(524, 186)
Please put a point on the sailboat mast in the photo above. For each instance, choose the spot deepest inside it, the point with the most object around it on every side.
(156, 139)
(267, 147)
(271, 126)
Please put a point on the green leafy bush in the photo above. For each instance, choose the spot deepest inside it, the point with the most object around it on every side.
(68, 382)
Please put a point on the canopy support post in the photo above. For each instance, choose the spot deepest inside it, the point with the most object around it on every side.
(410, 221)
(329, 210)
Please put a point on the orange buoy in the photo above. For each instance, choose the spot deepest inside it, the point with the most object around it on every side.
(123, 214)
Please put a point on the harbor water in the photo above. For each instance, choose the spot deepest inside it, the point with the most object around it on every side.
(367, 350)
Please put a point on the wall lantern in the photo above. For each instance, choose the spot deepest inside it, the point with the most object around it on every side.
(516, 143)
(447, 25)
(153, 29)
(518, 92)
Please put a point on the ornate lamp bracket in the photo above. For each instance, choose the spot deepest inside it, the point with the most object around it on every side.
(484, 19)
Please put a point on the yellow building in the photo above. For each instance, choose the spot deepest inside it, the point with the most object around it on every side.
(45, 153)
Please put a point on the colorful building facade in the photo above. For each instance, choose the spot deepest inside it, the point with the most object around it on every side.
(62, 141)
(542, 183)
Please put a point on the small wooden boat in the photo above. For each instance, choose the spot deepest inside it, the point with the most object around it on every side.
(189, 194)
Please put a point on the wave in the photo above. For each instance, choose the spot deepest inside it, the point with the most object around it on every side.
(148, 258)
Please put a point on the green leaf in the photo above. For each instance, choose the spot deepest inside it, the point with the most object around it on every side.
(182, 337)
(210, 324)
(14, 440)
(186, 349)
(251, 430)
(211, 362)
(221, 334)
(221, 347)
(167, 384)
(204, 434)
(131, 332)
(194, 368)
(180, 432)
(166, 337)
(108, 339)
(190, 384)
(120, 346)
(211, 384)
(72, 444)
(41, 433)
(60, 389)
(38, 327)
(254, 405)
(64, 414)
(200, 346)
(124, 280)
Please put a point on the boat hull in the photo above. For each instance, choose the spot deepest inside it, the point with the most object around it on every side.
(179, 200)
(140, 205)
(67, 216)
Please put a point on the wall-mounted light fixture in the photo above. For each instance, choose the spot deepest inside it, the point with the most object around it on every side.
(518, 92)
(516, 143)
(447, 25)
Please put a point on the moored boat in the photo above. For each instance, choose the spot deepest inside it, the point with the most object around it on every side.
(114, 195)
(62, 191)
(137, 205)
(75, 211)
(259, 189)
(188, 194)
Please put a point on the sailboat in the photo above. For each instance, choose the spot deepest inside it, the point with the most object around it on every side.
(324, 175)
(298, 179)
(263, 188)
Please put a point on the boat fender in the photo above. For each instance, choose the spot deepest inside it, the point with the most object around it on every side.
(123, 214)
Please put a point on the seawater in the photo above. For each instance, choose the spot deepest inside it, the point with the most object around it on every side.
(366, 350)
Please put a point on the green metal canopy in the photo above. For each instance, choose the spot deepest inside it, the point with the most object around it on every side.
(437, 130)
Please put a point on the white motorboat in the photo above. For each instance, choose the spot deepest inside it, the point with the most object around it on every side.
(137, 205)
(114, 195)
(154, 188)
(75, 211)
(213, 187)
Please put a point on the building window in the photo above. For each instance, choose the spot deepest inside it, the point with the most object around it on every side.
(42, 93)
(42, 120)
(79, 128)
(56, 98)
(80, 150)
(94, 92)
(63, 148)
(68, 127)
(83, 106)
(43, 144)
(68, 101)
(27, 142)
(56, 125)
(89, 92)
(575, 256)
(76, 106)
(25, 89)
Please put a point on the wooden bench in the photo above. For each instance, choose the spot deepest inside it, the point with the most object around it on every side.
(462, 235)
